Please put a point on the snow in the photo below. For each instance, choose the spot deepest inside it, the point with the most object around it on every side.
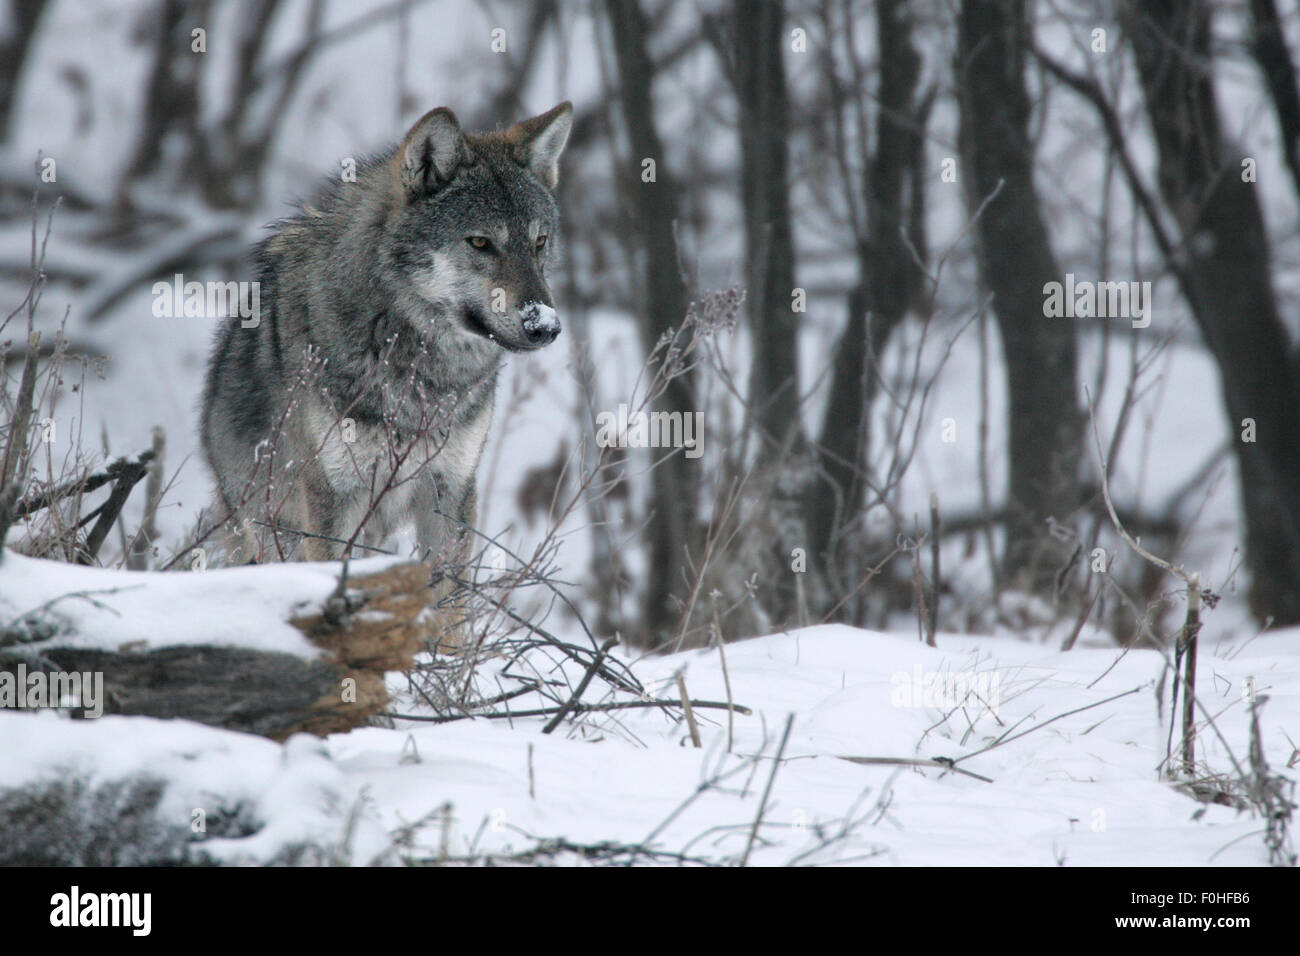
(104, 609)
(539, 317)
(1081, 790)
(293, 792)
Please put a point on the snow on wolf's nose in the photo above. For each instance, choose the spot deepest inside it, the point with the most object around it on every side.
(541, 323)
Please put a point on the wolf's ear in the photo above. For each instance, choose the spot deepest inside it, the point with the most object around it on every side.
(538, 142)
(432, 152)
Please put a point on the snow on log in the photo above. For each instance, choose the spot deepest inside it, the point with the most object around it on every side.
(247, 649)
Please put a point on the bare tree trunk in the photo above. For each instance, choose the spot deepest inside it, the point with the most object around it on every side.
(228, 170)
(508, 98)
(758, 41)
(675, 482)
(1274, 61)
(1228, 284)
(171, 104)
(24, 16)
(222, 160)
(755, 66)
(887, 279)
(1016, 261)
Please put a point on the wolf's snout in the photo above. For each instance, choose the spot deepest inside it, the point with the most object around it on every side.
(541, 324)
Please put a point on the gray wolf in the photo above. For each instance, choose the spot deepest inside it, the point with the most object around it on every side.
(361, 396)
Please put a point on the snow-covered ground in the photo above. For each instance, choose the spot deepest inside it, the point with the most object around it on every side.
(1084, 789)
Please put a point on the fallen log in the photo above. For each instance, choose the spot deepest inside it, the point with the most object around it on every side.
(248, 649)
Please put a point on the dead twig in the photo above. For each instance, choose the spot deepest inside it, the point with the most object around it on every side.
(576, 708)
(933, 623)
(1004, 739)
(582, 686)
(127, 476)
(767, 791)
(940, 763)
(686, 709)
(142, 545)
(726, 679)
(1187, 642)
(7, 500)
(16, 447)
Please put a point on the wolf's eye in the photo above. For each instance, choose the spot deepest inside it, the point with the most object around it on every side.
(541, 243)
(479, 242)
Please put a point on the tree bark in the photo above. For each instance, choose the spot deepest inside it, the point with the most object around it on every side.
(1229, 288)
(1270, 51)
(758, 41)
(171, 104)
(756, 68)
(887, 279)
(15, 46)
(675, 481)
(1016, 260)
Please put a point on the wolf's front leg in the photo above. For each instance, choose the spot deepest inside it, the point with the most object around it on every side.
(441, 526)
(320, 512)
(468, 516)
(447, 543)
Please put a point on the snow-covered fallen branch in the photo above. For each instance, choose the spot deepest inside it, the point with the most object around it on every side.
(246, 649)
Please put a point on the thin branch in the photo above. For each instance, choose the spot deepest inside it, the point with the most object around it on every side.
(914, 762)
(1004, 739)
(767, 791)
(576, 708)
(582, 686)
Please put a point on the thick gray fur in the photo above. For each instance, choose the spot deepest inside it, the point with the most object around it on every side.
(384, 320)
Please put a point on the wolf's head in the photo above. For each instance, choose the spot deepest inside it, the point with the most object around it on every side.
(476, 224)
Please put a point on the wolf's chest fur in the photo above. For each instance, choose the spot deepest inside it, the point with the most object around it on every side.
(449, 458)
(436, 464)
